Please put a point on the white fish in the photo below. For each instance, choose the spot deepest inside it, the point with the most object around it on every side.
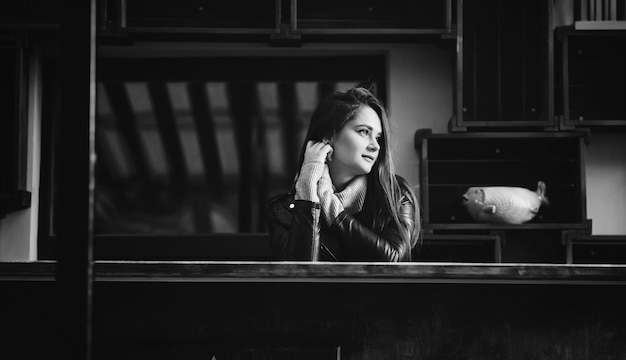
(504, 204)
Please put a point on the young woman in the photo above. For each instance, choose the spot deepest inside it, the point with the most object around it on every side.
(347, 203)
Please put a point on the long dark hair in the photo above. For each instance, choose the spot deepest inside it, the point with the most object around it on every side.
(387, 189)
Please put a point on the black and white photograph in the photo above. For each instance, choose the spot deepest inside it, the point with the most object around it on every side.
(313, 179)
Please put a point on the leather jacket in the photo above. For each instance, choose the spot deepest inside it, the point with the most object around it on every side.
(298, 232)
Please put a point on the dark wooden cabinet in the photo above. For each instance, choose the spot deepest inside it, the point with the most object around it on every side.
(453, 162)
(281, 19)
(592, 77)
(504, 65)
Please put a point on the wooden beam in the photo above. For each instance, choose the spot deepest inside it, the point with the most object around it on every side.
(127, 125)
(261, 160)
(345, 272)
(289, 112)
(207, 137)
(75, 188)
(242, 109)
(210, 152)
(245, 271)
(168, 130)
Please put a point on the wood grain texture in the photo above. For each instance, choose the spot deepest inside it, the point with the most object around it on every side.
(249, 271)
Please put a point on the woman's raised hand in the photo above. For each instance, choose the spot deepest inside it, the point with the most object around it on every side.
(318, 151)
(315, 155)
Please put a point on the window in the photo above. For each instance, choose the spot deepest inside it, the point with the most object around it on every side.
(196, 146)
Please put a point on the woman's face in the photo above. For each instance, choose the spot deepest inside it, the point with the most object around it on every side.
(355, 147)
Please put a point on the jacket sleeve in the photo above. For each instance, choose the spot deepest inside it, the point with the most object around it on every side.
(388, 245)
(294, 229)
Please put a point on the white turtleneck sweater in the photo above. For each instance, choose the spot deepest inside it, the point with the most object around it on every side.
(350, 199)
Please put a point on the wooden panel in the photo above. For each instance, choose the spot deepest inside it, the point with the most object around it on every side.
(358, 17)
(595, 249)
(191, 320)
(228, 247)
(458, 248)
(593, 78)
(348, 272)
(163, 14)
(504, 65)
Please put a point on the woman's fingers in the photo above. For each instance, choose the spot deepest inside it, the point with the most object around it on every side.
(329, 154)
(317, 150)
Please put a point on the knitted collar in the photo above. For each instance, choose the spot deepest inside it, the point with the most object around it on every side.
(353, 195)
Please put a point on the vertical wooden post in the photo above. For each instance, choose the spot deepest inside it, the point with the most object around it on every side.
(75, 189)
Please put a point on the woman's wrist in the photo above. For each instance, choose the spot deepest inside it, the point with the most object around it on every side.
(306, 185)
(331, 206)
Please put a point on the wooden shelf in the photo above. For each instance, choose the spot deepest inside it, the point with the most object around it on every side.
(453, 162)
(306, 272)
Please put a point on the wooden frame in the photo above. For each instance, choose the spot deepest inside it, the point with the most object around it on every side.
(214, 245)
(574, 107)
(489, 150)
(286, 29)
(477, 89)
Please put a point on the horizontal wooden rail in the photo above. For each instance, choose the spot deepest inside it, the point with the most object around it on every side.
(259, 272)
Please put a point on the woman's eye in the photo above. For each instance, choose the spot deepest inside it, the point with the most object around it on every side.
(364, 132)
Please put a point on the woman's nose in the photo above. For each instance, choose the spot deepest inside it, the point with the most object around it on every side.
(374, 145)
